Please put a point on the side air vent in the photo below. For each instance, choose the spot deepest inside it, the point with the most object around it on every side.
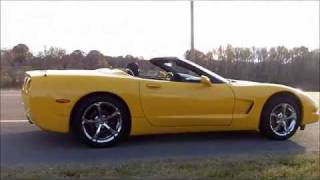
(250, 107)
(243, 106)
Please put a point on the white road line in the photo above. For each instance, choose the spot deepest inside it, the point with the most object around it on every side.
(8, 95)
(14, 121)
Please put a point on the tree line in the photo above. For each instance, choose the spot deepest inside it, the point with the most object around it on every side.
(298, 67)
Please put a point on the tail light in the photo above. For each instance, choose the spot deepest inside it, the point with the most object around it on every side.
(27, 84)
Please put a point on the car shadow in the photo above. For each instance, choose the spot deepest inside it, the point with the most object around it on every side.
(42, 147)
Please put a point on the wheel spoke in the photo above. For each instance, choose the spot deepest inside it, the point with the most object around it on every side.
(285, 127)
(85, 120)
(277, 127)
(291, 126)
(97, 132)
(273, 115)
(278, 121)
(293, 115)
(113, 132)
(284, 109)
(98, 105)
(116, 113)
(291, 110)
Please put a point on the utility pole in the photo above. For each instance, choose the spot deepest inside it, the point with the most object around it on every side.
(192, 29)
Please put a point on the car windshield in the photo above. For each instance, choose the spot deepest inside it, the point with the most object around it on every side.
(181, 70)
(206, 70)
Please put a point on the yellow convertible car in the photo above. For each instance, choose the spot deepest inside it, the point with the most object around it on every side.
(103, 106)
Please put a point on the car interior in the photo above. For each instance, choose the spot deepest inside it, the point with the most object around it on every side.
(166, 69)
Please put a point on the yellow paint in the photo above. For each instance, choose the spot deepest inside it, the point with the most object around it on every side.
(155, 106)
(186, 104)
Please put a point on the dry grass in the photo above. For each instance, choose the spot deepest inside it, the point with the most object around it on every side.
(304, 166)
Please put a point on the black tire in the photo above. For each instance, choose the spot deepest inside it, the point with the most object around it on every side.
(76, 121)
(265, 122)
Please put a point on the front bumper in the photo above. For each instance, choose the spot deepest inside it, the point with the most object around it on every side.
(316, 116)
(310, 117)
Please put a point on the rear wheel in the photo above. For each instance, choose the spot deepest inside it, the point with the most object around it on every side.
(101, 121)
(280, 118)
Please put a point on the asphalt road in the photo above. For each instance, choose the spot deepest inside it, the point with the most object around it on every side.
(23, 144)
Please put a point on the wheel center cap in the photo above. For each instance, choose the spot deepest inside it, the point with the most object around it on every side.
(280, 115)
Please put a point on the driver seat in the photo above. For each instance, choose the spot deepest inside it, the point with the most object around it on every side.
(133, 69)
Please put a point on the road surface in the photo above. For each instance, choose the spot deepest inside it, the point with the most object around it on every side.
(23, 144)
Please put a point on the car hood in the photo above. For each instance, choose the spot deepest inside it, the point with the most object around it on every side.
(234, 81)
(241, 83)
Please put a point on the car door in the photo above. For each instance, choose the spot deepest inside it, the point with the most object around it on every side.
(169, 103)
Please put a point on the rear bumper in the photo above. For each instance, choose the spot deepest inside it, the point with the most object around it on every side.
(44, 112)
(28, 115)
(26, 106)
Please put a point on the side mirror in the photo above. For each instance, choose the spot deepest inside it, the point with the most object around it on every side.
(205, 80)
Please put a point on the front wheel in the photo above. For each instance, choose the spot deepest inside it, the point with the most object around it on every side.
(280, 118)
(101, 121)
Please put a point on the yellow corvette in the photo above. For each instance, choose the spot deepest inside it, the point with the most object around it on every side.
(103, 106)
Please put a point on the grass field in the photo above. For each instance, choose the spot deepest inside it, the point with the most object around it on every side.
(231, 167)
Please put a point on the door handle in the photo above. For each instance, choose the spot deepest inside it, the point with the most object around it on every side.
(153, 85)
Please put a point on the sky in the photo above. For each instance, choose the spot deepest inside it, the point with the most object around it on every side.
(158, 28)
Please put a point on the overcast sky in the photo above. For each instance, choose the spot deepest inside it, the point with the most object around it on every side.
(161, 28)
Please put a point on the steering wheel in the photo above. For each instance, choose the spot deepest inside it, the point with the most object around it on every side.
(175, 77)
(170, 76)
(128, 71)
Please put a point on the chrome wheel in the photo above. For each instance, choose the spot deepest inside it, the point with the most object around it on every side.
(101, 122)
(283, 119)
